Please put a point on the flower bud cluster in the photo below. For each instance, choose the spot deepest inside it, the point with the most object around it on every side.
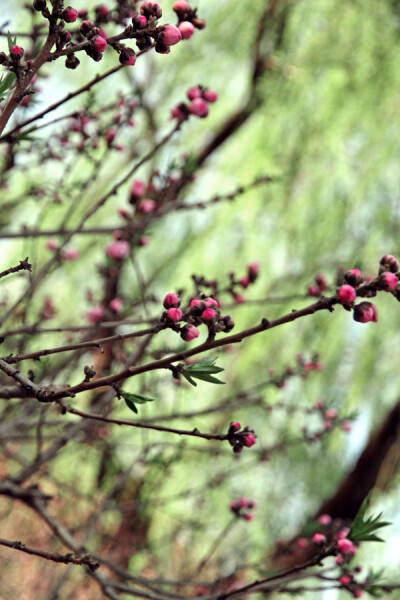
(355, 285)
(240, 438)
(199, 99)
(244, 282)
(240, 508)
(200, 311)
(318, 287)
(187, 19)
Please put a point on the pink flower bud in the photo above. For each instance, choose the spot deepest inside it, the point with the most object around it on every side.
(325, 519)
(249, 440)
(16, 52)
(321, 282)
(95, 314)
(118, 250)
(147, 206)
(243, 502)
(110, 135)
(239, 299)
(345, 547)
(331, 413)
(175, 314)
(177, 112)
(138, 188)
(319, 539)
(181, 6)
(170, 35)
(150, 8)
(388, 281)
(345, 580)
(69, 15)
(123, 212)
(99, 44)
(343, 533)
(248, 517)
(358, 593)
(235, 426)
(346, 294)
(390, 263)
(211, 302)
(365, 312)
(339, 560)
(144, 241)
(313, 290)
(354, 277)
(245, 282)
(208, 314)
(172, 301)
(347, 426)
(85, 27)
(186, 30)
(189, 333)
(210, 96)
(102, 10)
(116, 305)
(198, 107)
(71, 254)
(194, 92)
(127, 57)
(253, 269)
(139, 22)
(195, 302)
(52, 244)
(302, 542)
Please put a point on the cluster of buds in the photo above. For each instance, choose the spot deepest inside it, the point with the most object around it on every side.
(238, 437)
(309, 365)
(188, 20)
(199, 99)
(330, 418)
(318, 287)
(251, 276)
(355, 285)
(14, 60)
(240, 507)
(201, 311)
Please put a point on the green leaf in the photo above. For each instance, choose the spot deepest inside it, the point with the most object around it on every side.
(132, 399)
(11, 41)
(6, 82)
(203, 369)
(207, 377)
(190, 380)
(362, 529)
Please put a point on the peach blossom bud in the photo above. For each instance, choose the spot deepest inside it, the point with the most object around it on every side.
(189, 333)
(198, 107)
(175, 314)
(346, 294)
(99, 43)
(186, 29)
(365, 312)
(71, 254)
(170, 35)
(52, 244)
(116, 305)
(147, 206)
(172, 301)
(95, 314)
(118, 250)
(211, 96)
